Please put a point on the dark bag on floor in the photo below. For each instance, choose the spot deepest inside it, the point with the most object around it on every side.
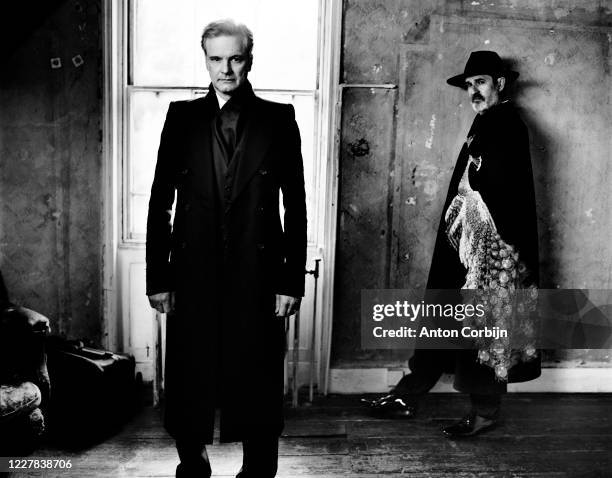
(93, 391)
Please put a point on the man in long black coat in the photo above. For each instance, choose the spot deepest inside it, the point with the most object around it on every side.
(226, 268)
(505, 181)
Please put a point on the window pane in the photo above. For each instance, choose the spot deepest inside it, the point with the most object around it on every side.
(167, 38)
(139, 207)
(147, 114)
(164, 45)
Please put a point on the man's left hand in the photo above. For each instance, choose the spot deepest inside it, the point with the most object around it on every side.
(286, 305)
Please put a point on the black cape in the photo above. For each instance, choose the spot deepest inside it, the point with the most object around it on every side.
(505, 182)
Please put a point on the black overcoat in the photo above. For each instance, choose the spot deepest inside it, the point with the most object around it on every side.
(505, 182)
(225, 255)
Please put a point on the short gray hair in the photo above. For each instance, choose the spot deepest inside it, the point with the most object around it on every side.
(228, 27)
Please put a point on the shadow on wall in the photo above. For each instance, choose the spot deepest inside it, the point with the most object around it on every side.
(543, 164)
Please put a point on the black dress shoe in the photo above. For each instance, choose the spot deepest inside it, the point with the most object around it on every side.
(391, 406)
(244, 474)
(197, 469)
(468, 426)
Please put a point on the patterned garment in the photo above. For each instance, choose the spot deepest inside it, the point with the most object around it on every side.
(18, 399)
(496, 273)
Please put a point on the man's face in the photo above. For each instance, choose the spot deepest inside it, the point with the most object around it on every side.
(228, 64)
(483, 91)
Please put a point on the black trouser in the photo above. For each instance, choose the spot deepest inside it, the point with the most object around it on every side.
(427, 366)
(259, 455)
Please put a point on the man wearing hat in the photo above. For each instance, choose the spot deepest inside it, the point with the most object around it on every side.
(495, 162)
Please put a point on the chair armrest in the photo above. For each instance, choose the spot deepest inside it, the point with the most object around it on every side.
(17, 317)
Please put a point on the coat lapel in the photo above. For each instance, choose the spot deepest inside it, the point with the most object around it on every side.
(252, 148)
(249, 154)
(201, 141)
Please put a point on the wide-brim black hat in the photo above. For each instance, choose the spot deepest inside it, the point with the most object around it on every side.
(483, 63)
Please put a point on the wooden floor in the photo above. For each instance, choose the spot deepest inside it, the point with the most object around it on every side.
(544, 435)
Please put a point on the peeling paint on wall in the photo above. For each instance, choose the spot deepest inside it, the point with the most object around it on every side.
(360, 148)
(432, 129)
(561, 12)
(589, 214)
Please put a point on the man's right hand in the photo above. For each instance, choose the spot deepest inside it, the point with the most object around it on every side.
(162, 302)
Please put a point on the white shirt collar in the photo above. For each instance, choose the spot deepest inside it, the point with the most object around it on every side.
(220, 100)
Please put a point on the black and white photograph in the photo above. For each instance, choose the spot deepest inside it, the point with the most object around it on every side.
(306, 238)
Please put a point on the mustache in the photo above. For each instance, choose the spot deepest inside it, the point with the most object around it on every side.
(477, 96)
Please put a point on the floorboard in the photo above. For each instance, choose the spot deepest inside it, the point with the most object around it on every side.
(541, 436)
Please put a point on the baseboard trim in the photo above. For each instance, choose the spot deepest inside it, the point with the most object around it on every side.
(553, 380)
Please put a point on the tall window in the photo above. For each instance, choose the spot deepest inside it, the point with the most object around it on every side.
(165, 63)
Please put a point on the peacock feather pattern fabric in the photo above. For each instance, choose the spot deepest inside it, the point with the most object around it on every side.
(497, 274)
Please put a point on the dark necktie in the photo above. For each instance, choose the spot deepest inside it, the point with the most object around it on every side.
(228, 123)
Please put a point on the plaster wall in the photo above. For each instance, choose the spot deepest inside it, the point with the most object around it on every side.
(399, 146)
(50, 170)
